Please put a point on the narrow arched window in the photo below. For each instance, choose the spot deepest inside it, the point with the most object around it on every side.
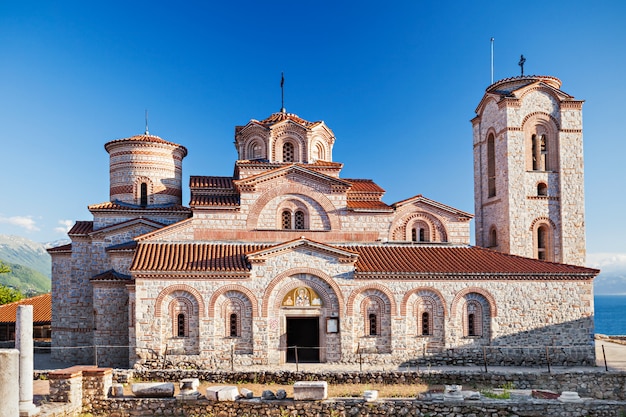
(471, 324)
(414, 235)
(493, 238)
(543, 152)
(542, 189)
(143, 194)
(422, 234)
(233, 325)
(372, 325)
(288, 152)
(180, 325)
(491, 166)
(542, 243)
(425, 324)
(298, 220)
(286, 220)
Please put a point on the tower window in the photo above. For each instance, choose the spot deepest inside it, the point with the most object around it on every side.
(540, 152)
(542, 189)
(542, 237)
(288, 152)
(493, 238)
(143, 194)
(471, 324)
(491, 166)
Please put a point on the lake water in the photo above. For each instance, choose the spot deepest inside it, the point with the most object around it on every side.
(610, 315)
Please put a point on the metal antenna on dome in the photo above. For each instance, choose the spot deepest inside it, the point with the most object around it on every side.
(147, 132)
(282, 92)
(492, 39)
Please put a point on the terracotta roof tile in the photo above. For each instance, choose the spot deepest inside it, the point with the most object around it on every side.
(368, 205)
(419, 259)
(214, 201)
(144, 138)
(42, 309)
(406, 260)
(193, 257)
(109, 205)
(364, 185)
(197, 181)
(59, 249)
(81, 228)
(282, 116)
(111, 275)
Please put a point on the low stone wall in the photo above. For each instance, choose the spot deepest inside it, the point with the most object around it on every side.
(592, 383)
(352, 407)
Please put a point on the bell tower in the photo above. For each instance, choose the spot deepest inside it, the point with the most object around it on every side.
(528, 170)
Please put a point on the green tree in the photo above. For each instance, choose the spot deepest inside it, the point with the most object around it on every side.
(9, 295)
(3, 268)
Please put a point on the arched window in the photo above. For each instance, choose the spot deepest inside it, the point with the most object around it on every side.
(493, 238)
(414, 235)
(491, 166)
(373, 325)
(143, 194)
(255, 151)
(542, 242)
(542, 189)
(299, 220)
(288, 152)
(425, 324)
(540, 152)
(474, 318)
(234, 325)
(181, 325)
(286, 220)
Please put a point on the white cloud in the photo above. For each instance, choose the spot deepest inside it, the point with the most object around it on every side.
(65, 227)
(607, 262)
(25, 222)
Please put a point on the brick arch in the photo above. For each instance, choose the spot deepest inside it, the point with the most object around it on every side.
(378, 287)
(438, 230)
(293, 136)
(237, 288)
(295, 271)
(493, 311)
(535, 223)
(541, 116)
(415, 291)
(286, 189)
(149, 189)
(247, 146)
(178, 287)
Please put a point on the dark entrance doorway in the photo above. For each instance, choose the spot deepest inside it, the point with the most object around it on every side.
(303, 332)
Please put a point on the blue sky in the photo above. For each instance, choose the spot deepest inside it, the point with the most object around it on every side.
(397, 82)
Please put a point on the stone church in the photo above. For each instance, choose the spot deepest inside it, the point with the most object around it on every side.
(286, 258)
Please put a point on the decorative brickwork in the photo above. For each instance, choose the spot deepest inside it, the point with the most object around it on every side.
(287, 255)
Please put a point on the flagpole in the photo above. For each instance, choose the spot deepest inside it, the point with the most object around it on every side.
(492, 39)
(282, 92)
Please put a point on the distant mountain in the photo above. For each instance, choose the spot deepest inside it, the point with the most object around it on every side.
(29, 281)
(612, 278)
(21, 251)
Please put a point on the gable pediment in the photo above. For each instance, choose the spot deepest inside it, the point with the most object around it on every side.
(427, 204)
(303, 245)
(294, 171)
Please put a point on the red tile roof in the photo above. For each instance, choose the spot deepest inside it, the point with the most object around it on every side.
(282, 116)
(197, 181)
(144, 138)
(421, 259)
(192, 257)
(374, 260)
(59, 249)
(364, 185)
(214, 200)
(368, 205)
(117, 206)
(42, 309)
(81, 228)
